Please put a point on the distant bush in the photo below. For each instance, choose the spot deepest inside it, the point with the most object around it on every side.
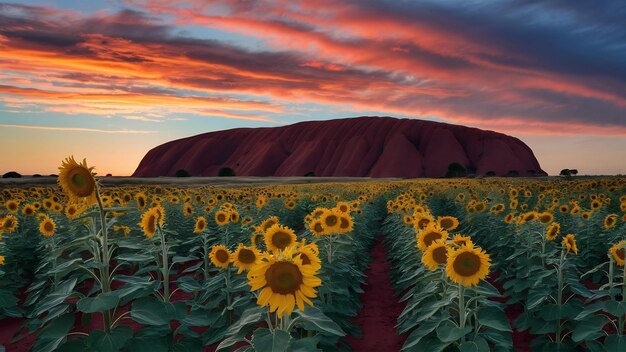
(37, 175)
(108, 175)
(512, 173)
(490, 174)
(182, 173)
(456, 170)
(225, 172)
(309, 174)
(11, 174)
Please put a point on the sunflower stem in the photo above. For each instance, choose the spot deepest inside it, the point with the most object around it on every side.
(104, 273)
(228, 297)
(610, 274)
(622, 321)
(165, 270)
(205, 246)
(559, 299)
(462, 309)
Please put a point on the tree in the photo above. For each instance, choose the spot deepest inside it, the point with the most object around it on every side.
(12, 174)
(226, 172)
(512, 173)
(456, 170)
(490, 174)
(566, 172)
(182, 173)
(573, 171)
(309, 174)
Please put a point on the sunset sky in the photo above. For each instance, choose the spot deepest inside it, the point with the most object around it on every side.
(110, 79)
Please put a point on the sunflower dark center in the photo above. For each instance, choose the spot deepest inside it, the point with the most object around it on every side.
(447, 223)
(8, 223)
(440, 255)
(221, 217)
(431, 237)
(281, 240)
(423, 223)
(151, 225)
(344, 223)
(222, 256)
(318, 227)
(82, 183)
(48, 226)
(307, 261)
(284, 278)
(246, 256)
(331, 220)
(620, 253)
(466, 264)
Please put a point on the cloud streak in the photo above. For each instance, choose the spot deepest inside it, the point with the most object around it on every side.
(75, 129)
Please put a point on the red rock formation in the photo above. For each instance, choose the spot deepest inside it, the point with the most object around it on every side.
(363, 146)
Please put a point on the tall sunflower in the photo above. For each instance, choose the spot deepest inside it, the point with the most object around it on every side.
(200, 224)
(345, 222)
(569, 242)
(330, 221)
(12, 205)
(245, 258)
(546, 217)
(47, 226)
(8, 224)
(28, 210)
(618, 252)
(316, 227)
(468, 265)
(436, 254)
(220, 256)
(284, 283)
(279, 238)
(553, 231)
(77, 181)
(430, 234)
(222, 217)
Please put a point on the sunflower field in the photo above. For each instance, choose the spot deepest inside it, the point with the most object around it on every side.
(495, 264)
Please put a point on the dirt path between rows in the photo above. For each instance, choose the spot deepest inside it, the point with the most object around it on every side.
(377, 318)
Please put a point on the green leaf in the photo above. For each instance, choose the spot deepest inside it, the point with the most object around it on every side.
(54, 334)
(450, 332)
(263, 340)
(590, 328)
(616, 308)
(101, 341)
(321, 322)
(494, 318)
(249, 316)
(100, 303)
(149, 311)
(7, 299)
(63, 291)
(146, 344)
(615, 343)
(307, 344)
(134, 257)
(590, 309)
(422, 330)
(469, 346)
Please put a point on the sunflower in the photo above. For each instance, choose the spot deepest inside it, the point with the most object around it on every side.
(617, 251)
(73, 210)
(245, 258)
(234, 216)
(467, 265)
(187, 209)
(435, 255)
(77, 180)
(509, 218)
(595, 205)
(407, 220)
(221, 217)
(256, 239)
(149, 221)
(345, 223)
(553, 231)
(8, 224)
(569, 242)
(330, 221)
(1, 260)
(284, 283)
(12, 206)
(279, 238)
(430, 234)
(343, 207)
(529, 216)
(448, 223)
(266, 224)
(586, 215)
(316, 227)
(460, 240)
(200, 224)
(261, 200)
(422, 220)
(220, 256)
(546, 217)
(610, 221)
(28, 210)
(124, 230)
(47, 227)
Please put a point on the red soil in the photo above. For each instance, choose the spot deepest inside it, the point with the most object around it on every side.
(377, 319)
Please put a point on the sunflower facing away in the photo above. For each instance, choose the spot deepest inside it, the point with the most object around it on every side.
(569, 242)
(429, 235)
(436, 254)
(279, 238)
(617, 251)
(77, 180)
(467, 265)
(284, 283)
(47, 227)
(245, 258)
(220, 256)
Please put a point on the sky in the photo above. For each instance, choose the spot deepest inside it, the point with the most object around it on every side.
(108, 80)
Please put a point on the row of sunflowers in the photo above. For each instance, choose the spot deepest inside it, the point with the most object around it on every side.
(90, 268)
